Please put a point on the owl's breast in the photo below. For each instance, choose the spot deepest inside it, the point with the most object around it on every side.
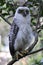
(28, 36)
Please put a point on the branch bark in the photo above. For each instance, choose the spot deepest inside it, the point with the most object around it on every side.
(13, 61)
(6, 20)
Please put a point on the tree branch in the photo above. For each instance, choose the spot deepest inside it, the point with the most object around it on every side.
(6, 20)
(27, 3)
(9, 16)
(13, 61)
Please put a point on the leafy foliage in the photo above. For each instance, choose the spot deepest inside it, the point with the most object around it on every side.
(11, 6)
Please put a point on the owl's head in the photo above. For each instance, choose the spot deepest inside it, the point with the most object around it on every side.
(22, 12)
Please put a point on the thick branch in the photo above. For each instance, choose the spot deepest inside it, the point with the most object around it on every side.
(13, 61)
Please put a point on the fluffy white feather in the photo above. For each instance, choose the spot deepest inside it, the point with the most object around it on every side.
(25, 36)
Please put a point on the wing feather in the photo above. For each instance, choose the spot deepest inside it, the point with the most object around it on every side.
(12, 36)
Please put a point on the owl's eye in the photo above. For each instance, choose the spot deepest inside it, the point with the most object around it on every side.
(27, 11)
(20, 11)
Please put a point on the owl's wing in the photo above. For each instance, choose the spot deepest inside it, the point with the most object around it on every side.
(12, 36)
(35, 42)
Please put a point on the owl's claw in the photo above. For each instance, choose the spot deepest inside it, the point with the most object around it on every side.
(21, 54)
(18, 54)
(24, 52)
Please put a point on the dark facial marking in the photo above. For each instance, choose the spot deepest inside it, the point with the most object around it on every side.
(20, 11)
(27, 11)
(23, 12)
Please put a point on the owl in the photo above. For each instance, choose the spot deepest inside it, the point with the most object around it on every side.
(21, 35)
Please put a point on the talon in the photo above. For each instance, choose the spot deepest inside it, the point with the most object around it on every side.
(20, 54)
(24, 52)
(17, 56)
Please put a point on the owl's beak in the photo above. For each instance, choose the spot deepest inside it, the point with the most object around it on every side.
(24, 14)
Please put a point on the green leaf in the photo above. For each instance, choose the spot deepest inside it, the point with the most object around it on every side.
(2, 2)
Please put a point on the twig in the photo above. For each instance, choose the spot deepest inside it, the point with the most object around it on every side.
(13, 61)
(9, 16)
(27, 3)
(6, 20)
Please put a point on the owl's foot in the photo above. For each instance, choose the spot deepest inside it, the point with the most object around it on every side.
(18, 54)
(24, 52)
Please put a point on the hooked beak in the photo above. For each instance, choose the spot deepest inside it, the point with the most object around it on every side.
(24, 14)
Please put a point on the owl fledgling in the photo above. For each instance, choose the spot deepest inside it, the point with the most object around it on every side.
(21, 34)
